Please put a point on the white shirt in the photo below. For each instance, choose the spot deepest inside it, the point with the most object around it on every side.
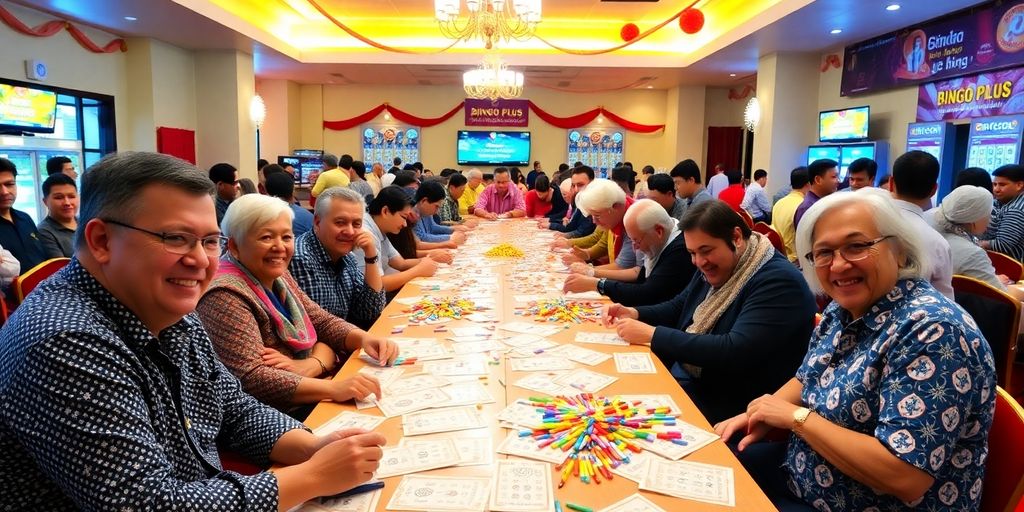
(938, 248)
(717, 184)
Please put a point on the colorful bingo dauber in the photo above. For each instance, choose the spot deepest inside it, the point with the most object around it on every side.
(436, 308)
(562, 310)
(504, 250)
(600, 432)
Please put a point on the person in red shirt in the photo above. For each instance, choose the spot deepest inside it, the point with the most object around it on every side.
(538, 200)
(733, 194)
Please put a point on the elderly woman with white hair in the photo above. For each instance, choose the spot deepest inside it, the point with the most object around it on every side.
(892, 405)
(963, 216)
(281, 345)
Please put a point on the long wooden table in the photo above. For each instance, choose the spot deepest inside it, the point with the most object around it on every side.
(748, 496)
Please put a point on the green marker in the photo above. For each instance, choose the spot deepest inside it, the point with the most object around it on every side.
(578, 508)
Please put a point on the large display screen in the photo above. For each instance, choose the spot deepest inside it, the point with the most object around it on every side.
(843, 125)
(493, 148)
(851, 153)
(822, 153)
(927, 137)
(994, 142)
(27, 109)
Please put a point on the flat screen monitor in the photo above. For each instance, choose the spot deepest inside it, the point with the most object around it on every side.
(851, 153)
(822, 153)
(927, 137)
(493, 148)
(27, 109)
(994, 142)
(847, 125)
(304, 167)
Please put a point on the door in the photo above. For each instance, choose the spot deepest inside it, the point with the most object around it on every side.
(28, 200)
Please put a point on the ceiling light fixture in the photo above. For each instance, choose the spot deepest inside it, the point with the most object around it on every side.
(752, 115)
(257, 111)
(732, 74)
(892, 7)
(836, 31)
(489, 20)
(492, 80)
(130, 18)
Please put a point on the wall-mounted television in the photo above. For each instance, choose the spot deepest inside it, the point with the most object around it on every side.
(27, 109)
(493, 148)
(846, 125)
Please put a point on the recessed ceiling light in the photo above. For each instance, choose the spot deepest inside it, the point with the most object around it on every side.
(650, 87)
(892, 7)
(130, 18)
(836, 31)
(732, 74)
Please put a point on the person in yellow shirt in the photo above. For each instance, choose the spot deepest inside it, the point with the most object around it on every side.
(784, 210)
(474, 188)
(333, 176)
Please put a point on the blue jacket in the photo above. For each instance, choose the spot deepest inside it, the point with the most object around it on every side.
(756, 346)
(22, 238)
(579, 225)
(428, 230)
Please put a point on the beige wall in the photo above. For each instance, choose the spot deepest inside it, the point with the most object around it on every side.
(70, 65)
(225, 133)
(161, 90)
(549, 143)
(891, 111)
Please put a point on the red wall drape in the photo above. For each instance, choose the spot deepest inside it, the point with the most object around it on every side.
(725, 146)
(177, 142)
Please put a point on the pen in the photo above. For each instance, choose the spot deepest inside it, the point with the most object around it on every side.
(558, 506)
(578, 508)
(359, 489)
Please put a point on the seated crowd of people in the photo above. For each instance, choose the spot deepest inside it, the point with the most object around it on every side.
(185, 324)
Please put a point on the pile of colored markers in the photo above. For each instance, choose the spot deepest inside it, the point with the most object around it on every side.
(562, 310)
(504, 250)
(432, 309)
(599, 432)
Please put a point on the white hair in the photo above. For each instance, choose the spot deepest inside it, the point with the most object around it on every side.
(327, 197)
(599, 194)
(250, 212)
(888, 220)
(565, 186)
(474, 173)
(387, 179)
(647, 213)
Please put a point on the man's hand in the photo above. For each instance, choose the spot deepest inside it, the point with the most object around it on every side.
(441, 256)
(560, 243)
(425, 268)
(579, 284)
(346, 459)
(471, 223)
(458, 237)
(581, 253)
(366, 242)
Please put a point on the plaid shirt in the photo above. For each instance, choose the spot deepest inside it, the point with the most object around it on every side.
(449, 210)
(338, 287)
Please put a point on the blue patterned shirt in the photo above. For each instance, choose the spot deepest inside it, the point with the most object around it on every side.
(915, 373)
(97, 414)
(340, 288)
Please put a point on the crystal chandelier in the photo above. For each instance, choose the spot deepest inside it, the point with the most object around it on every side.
(492, 80)
(489, 20)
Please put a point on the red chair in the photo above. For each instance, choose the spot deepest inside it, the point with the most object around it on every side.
(1006, 265)
(27, 281)
(1004, 470)
(998, 317)
(773, 236)
(746, 217)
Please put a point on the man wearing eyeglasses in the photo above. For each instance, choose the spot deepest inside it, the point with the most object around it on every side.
(111, 396)
(225, 177)
(915, 178)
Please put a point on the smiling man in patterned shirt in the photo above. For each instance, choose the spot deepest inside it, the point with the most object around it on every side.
(111, 396)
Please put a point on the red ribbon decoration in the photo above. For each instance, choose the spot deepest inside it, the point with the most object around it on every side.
(575, 121)
(831, 61)
(52, 27)
(747, 89)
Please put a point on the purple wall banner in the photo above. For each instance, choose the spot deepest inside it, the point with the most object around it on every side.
(982, 95)
(968, 42)
(498, 113)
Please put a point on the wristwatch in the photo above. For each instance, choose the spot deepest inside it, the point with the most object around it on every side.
(371, 261)
(600, 285)
(800, 417)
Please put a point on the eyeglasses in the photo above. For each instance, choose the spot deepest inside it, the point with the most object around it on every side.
(854, 251)
(180, 243)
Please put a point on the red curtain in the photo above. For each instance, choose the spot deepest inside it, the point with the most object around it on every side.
(177, 142)
(725, 146)
(575, 121)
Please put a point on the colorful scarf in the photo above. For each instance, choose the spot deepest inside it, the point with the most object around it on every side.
(299, 338)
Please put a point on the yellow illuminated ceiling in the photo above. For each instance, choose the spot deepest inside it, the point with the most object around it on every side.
(297, 29)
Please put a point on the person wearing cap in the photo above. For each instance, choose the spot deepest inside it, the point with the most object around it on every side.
(964, 215)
